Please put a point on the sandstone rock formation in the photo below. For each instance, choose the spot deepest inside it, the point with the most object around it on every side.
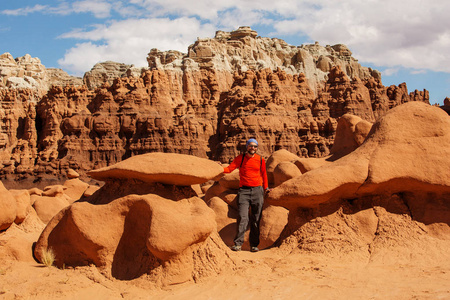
(204, 103)
(135, 231)
(405, 152)
(23, 204)
(7, 208)
(446, 105)
(28, 72)
(351, 131)
(105, 72)
(166, 168)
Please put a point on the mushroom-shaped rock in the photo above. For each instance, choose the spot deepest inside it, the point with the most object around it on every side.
(166, 168)
(407, 150)
(410, 150)
(340, 179)
(8, 208)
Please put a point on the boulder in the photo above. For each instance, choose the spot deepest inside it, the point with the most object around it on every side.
(225, 217)
(230, 181)
(166, 168)
(308, 164)
(214, 190)
(129, 236)
(17, 244)
(285, 171)
(191, 222)
(47, 207)
(75, 188)
(53, 190)
(35, 191)
(72, 174)
(8, 208)
(273, 221)
(91, 189)
(277, 157)
(23, 204)
(351, 132)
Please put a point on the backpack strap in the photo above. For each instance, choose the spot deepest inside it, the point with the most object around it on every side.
(260, 161)
(242, 160)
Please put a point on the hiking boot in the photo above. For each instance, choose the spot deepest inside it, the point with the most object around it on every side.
(236, 248)
(254, 249)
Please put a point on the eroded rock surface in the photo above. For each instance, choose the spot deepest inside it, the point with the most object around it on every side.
(206, 103)
(406, 151)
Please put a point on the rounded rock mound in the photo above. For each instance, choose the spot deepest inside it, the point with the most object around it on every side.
(406, 151)
(166, 168)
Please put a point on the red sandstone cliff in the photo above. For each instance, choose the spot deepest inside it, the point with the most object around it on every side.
(205, 103)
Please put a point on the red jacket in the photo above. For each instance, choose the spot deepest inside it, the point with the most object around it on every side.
(252, 172)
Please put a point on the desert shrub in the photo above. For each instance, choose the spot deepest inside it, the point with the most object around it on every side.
(48, 257)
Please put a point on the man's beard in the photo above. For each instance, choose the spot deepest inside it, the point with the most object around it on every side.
(251, 151)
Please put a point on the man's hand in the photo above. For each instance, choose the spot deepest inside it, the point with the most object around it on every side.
(267, 191)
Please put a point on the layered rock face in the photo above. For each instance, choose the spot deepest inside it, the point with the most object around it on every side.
(29, 72)
(204, 103)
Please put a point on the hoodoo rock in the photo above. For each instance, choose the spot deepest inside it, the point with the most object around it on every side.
(135, 231)
(205, 103)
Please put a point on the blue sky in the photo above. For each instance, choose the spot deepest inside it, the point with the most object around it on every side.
(408, 41)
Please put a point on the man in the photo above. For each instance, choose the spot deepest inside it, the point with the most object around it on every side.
(252, 187)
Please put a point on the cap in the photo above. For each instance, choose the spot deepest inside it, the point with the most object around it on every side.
(251, 141)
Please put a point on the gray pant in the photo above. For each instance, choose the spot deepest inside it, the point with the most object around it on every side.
(253, 198)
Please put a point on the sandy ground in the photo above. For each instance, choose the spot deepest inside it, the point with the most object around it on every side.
(268, 274)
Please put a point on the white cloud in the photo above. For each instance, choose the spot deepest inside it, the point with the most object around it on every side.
(389, 33)
(100, 9)
(83, 57)
(390, 71)
(129, 41)
(24, 11)
(418, 72)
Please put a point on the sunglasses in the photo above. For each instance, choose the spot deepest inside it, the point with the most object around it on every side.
(252, 146)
